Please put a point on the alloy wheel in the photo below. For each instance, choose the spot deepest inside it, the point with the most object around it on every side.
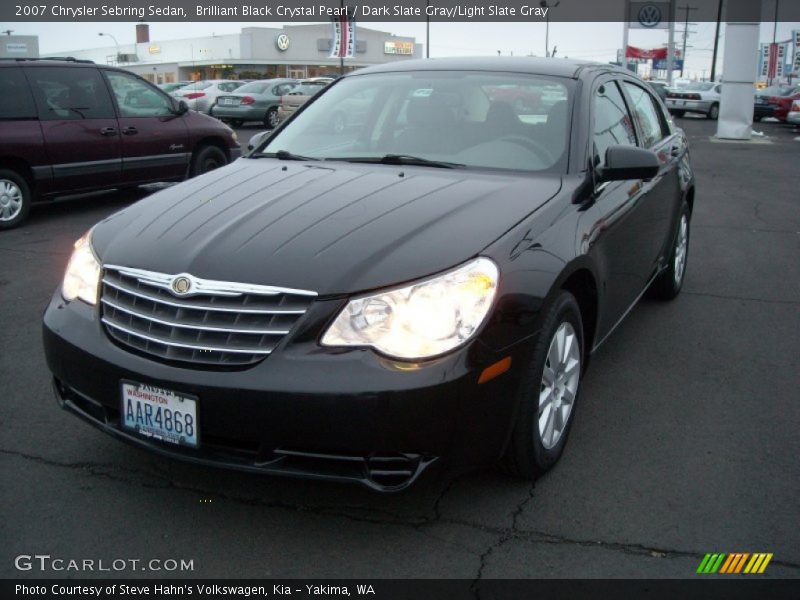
(10, 200)
(559, 387)
(681, 249)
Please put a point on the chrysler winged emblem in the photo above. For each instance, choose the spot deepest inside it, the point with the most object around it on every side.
(181, 285)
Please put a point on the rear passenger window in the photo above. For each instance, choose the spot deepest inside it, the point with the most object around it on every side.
(70, 93)
(612, 121)
(647, 115)
(16, 101)
(282, 89)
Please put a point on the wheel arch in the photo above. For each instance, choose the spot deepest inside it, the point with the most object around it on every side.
(20, 166)
(582, 283)
(212, 140)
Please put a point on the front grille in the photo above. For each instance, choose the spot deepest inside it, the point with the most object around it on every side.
(212, 323)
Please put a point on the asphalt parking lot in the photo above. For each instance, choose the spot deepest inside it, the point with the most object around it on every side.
(686, 441)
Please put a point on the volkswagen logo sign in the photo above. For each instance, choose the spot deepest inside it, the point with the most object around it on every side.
(282, 42)
(649, 15)
(181, 285)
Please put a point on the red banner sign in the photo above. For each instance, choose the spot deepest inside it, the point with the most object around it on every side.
(634, 52)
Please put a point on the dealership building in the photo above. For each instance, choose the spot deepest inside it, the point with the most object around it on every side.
(296, 51)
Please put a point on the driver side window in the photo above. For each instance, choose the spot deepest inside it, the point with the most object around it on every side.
(136, 98)
(612, 121)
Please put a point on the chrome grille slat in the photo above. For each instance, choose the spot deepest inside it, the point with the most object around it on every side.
(193, 326)
(204, 307)
(181, 345)
(211, 325)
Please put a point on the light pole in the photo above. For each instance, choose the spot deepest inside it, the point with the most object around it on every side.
(544, 4)
(116, 43)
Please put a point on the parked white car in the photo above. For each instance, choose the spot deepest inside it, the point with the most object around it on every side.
(201, 95)
(697, 97)
(794, 113)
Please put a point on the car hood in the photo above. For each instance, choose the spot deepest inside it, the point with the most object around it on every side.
(329, 227)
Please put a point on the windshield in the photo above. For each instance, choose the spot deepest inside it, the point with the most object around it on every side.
(308, 89)
(461, 118)
(700, 86)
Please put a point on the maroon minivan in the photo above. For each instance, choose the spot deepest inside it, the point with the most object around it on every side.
(69, 126)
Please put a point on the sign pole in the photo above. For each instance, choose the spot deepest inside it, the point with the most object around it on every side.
(626, 25)
(341, 50)
(671, 42)
(427, 30)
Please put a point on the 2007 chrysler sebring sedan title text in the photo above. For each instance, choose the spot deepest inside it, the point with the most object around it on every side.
(357, 303)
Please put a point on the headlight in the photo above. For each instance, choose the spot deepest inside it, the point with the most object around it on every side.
(83, 273)
(423, 319)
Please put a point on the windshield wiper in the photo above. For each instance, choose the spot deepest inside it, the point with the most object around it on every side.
(400, 159)
(284, 155)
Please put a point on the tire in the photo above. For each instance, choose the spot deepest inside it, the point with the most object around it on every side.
(271, 119)
(338, 122)
(679, 113)
(757, 119)
(669, 282)
(236, 123)
(207, 158)
(713, 112)
(532, 450)
(15, 199)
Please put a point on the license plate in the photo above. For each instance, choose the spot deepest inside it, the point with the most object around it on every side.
(228, 101)
(160, 414)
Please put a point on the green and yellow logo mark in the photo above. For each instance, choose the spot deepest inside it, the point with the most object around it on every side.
(736, 562)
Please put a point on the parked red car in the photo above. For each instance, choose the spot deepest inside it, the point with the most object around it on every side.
(69, 126)
(782, 104)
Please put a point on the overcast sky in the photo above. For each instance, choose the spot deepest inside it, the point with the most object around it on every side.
(595, 41)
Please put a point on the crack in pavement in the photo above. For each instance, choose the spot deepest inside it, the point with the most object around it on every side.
(378, 516)
(741, 298)
(504, 536)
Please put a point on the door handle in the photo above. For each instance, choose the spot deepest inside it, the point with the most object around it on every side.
(108, 131)
(130, 131)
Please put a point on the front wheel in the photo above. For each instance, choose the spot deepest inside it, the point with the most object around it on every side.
(713, 112)
(15, 199)
(207, 158)
(548, 391)
(669, 282)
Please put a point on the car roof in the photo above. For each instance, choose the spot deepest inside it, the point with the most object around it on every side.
(55, 61)
(559, 67)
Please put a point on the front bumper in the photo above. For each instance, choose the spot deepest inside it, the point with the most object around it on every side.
(793, 117)
(698, 106)
(762, 111)
(305, 411)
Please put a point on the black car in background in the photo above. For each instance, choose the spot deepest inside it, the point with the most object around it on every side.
(425, 286)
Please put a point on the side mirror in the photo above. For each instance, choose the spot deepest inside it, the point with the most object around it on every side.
(181, 108)
(257, 140)
(628, 162)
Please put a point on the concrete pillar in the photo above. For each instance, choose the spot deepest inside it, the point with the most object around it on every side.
(739, 70)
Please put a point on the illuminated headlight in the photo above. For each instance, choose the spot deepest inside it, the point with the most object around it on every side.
(421, 320)
(83, 273)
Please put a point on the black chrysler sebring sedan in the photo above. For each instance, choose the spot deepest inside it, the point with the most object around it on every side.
(423, 283)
